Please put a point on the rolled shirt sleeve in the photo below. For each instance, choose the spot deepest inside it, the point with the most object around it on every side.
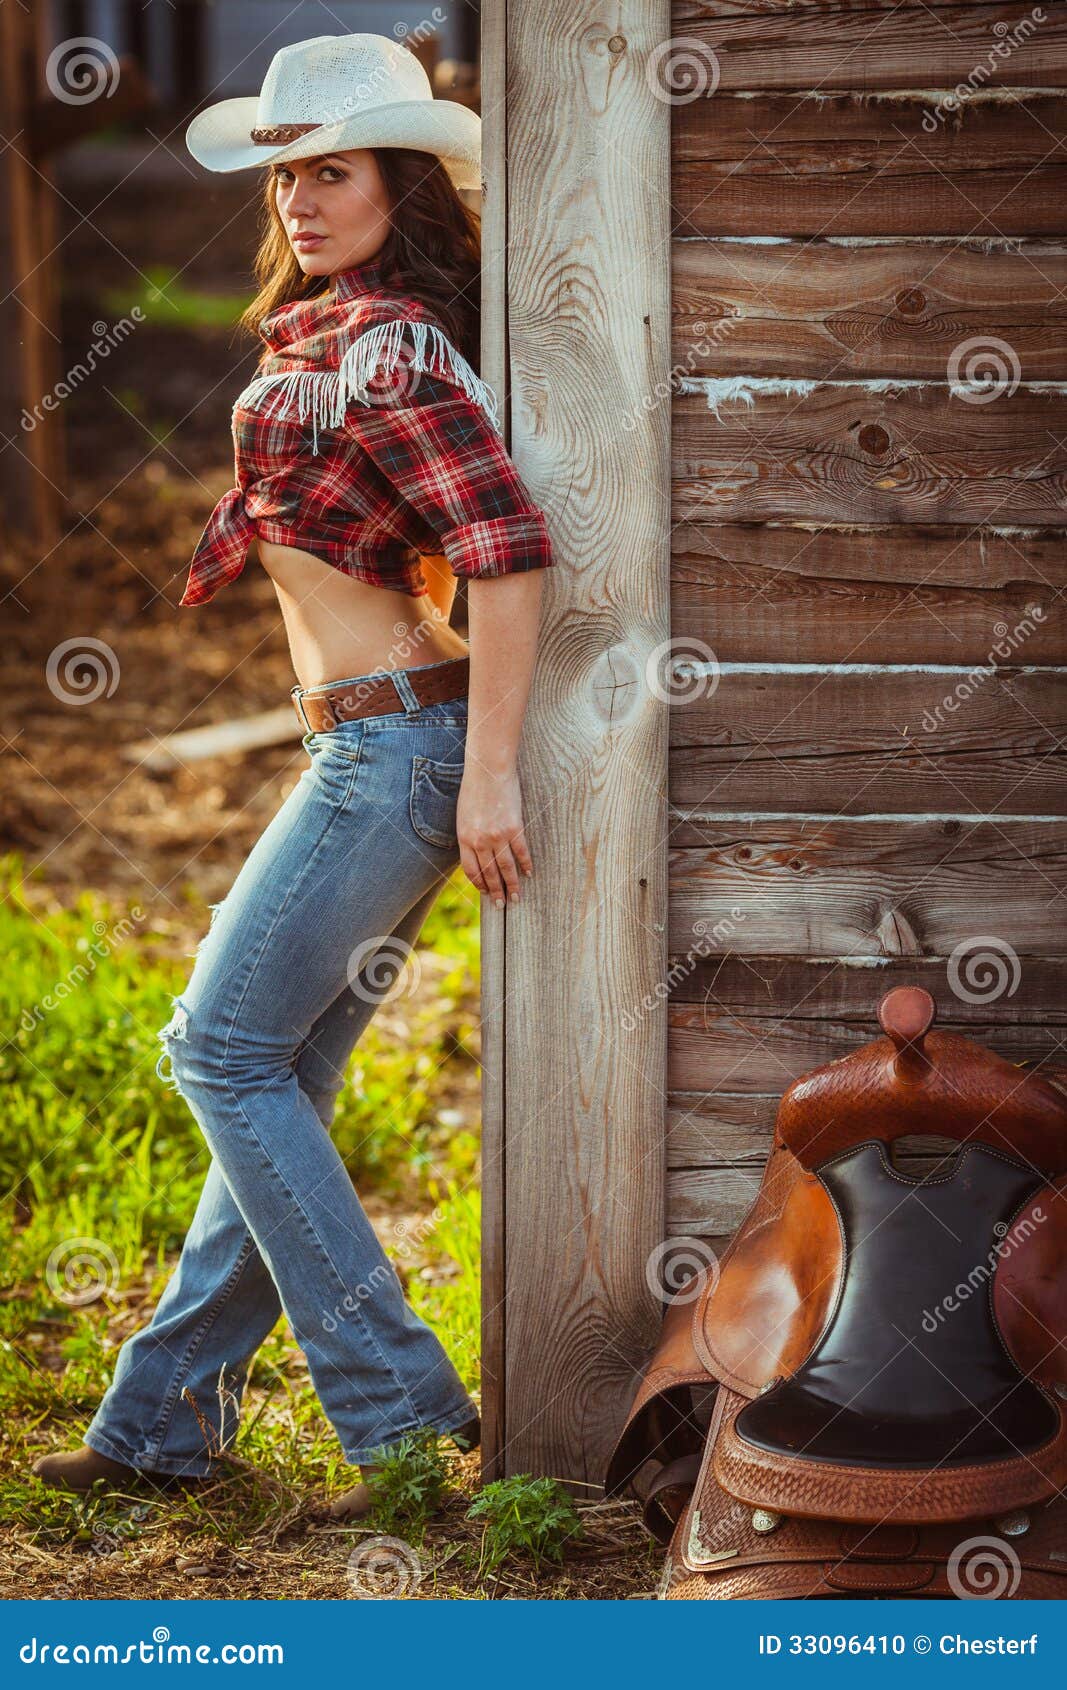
(448, 462)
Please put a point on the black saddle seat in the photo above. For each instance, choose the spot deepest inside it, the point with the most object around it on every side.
(911, 1371)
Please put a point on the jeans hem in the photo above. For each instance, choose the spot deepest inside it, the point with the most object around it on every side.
(443, 1423)
(167, 1464)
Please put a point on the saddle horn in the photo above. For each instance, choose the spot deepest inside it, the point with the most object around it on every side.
(918, 1079)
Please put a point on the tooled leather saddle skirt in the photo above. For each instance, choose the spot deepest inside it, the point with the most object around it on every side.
(867, 1395)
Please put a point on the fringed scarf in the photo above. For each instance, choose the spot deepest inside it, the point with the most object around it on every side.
(336, 357)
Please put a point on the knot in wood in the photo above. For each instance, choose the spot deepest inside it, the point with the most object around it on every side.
(910, 301)
(874, 439)
(618, 684)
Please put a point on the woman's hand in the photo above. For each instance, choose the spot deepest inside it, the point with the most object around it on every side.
(492, 843)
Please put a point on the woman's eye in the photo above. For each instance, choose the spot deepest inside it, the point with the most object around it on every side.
(327, 173)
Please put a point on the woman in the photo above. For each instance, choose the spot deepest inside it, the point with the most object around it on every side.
(365, 440)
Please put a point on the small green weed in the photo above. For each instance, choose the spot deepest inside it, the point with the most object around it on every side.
(524, 1515)
(413, 1476)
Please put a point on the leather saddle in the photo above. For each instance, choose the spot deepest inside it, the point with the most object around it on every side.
(867, 1394)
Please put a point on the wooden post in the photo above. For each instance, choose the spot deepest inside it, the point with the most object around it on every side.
(32, 458)
(35, 126)
(576, 324)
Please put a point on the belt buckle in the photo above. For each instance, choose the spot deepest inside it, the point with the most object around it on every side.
(330, 723)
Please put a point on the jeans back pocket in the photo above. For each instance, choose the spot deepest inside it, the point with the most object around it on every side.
(433, 799)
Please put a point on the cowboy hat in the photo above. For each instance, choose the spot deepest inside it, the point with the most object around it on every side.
(333, 94)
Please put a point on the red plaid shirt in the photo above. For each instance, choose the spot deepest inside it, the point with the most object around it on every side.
(365, 470)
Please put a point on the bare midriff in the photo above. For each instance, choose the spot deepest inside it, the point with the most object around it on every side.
(339, 626)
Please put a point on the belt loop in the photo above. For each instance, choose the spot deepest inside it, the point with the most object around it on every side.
(297, 695)
(406, 691)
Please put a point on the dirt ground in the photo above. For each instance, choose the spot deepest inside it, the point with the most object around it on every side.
(304, 1556)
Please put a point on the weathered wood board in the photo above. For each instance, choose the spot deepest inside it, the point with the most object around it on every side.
(761, 163)
(840, 432)
(808, 44)
(833, 308)
(575, 1170)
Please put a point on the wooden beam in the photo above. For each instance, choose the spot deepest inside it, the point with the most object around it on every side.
(866, 306)
(842, 165)
(872, 452)
(493, 987)
(910, 593)
(858, 889)
(581, 1179)
(759, 1057)
(31, 459)
(877, 44)
(848, 989)
(872, 739)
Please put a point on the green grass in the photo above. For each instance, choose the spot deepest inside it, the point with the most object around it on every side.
(94, 1147)
(167, 302)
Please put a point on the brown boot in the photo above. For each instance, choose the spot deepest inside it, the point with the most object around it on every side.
(79, 1470)
(468, 1437)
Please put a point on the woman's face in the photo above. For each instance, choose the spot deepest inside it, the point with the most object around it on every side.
(334, 209)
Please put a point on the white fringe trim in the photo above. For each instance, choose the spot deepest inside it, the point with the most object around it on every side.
(324, 395)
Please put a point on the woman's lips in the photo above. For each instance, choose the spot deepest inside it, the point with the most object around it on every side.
(308, 242)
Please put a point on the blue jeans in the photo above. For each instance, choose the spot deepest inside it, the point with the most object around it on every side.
(297, 957)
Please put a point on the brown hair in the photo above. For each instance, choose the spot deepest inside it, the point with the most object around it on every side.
(434, 253)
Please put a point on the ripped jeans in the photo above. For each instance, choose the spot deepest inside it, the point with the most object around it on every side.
(298, 955)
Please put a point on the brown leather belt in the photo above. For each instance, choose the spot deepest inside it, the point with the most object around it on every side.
(378, 695)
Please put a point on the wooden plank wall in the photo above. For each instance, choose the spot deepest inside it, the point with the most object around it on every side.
(867, 774)
(576, 302)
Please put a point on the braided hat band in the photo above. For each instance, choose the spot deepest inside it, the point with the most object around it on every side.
(278, 134)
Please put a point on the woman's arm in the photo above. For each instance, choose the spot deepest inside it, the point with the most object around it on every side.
(503, 615)
(448, 462)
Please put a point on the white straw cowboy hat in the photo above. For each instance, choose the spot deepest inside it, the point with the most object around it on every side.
(333, 94)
